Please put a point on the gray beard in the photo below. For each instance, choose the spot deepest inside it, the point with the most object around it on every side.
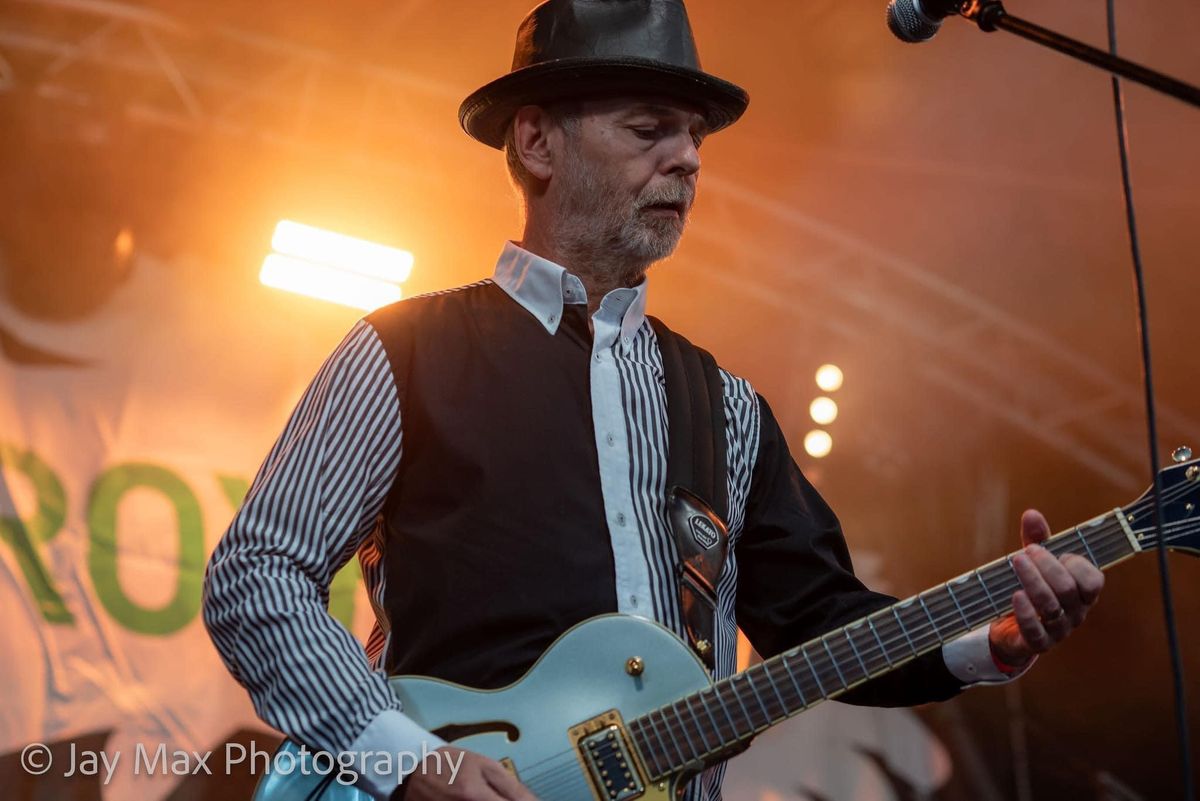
(603, 231)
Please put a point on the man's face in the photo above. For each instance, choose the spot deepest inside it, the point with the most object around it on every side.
(627, 177)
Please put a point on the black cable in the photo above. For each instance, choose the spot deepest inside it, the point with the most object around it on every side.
(1164, 572)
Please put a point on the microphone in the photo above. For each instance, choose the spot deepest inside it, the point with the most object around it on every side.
(918, 21)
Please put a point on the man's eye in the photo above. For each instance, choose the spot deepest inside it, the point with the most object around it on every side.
(646, 133)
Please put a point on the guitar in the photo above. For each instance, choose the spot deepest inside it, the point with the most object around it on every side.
(620, 708)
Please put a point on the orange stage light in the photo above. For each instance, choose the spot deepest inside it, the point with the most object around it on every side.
(327, 283)
(334, 267)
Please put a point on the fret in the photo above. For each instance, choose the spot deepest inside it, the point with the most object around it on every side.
(958, 606)
(717, 694)
(783, 704)
(813, 670)
(1008, 579)
(671, 734)
(718, 729)
(707, 705)
(833, 661)
(1086, 547)
(666, 751)
(770, 698)
(737, 696)
(932, 622)
(687, 702)
(758, 697)
(646, 745)
(882, 648)
(719, 720)
(857, 655)
(637, 734)
(792, 676)
(903, 630)
(1008, 573)
(910, 616)
(658, 759)
(987, 592)
(683, 727)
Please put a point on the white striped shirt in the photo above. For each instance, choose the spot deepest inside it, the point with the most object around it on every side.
(316, 500)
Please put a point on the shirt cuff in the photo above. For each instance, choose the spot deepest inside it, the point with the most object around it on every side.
(969, 658)
(391, 747)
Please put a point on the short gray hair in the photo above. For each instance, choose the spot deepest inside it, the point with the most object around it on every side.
(567, 114)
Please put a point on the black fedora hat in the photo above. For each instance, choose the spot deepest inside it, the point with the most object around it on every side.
(579, 48)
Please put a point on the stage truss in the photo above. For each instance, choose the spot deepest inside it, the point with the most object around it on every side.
(101, 58)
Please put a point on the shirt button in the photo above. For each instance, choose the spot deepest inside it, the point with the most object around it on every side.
(610, 439)
(597, 357)
(633, 600)
(552, 318)
(620, 519)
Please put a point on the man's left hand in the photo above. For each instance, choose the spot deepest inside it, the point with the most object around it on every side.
(1058, 593)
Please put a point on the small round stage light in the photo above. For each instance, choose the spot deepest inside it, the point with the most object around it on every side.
(829, 377)
(823, 411)
(818, 444)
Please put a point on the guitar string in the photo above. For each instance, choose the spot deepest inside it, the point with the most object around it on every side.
(1108, 529)
(824, 667)
(552, 780)
(1114, 535)
(1111, 531)
(545, 779)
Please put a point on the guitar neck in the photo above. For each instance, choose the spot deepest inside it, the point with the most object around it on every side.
(710, 725)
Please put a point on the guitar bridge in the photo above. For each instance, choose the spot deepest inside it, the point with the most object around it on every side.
(605, 753)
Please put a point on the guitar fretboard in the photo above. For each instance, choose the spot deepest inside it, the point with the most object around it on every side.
(707, 726)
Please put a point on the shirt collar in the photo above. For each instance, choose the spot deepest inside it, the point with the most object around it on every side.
(543, 287)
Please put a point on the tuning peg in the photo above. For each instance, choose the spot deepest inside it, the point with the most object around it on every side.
(1181, 454)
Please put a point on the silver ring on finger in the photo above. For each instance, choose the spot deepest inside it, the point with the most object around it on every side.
(1054, 617)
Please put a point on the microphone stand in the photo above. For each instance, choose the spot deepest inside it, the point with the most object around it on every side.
(990, 15)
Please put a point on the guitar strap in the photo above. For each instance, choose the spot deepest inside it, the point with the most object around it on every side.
(697, 490)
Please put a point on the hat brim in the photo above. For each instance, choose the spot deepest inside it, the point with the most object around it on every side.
(486, 113)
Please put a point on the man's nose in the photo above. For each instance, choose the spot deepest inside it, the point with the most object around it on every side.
(685, 156)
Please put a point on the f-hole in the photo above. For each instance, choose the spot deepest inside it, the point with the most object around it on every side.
(456, 731)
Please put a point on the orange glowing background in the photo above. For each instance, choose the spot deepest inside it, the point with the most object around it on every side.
(943, 222)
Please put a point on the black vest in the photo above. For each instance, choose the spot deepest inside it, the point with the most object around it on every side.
(495, 531)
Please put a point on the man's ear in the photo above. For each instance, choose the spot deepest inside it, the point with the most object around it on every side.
(531, 137)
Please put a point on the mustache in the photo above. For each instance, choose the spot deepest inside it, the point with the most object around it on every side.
(673, 195)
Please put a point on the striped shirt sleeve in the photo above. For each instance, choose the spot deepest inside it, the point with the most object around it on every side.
(312, 504)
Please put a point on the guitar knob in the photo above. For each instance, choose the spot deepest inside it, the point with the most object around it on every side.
(1181, 454)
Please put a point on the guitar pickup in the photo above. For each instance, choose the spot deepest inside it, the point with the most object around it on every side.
(610, 764)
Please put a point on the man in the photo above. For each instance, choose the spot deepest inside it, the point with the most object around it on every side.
(496, 454)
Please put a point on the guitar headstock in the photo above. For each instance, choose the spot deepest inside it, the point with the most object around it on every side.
(1181, 506)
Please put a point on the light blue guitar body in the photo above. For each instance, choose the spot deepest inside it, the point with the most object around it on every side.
(584, 674)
